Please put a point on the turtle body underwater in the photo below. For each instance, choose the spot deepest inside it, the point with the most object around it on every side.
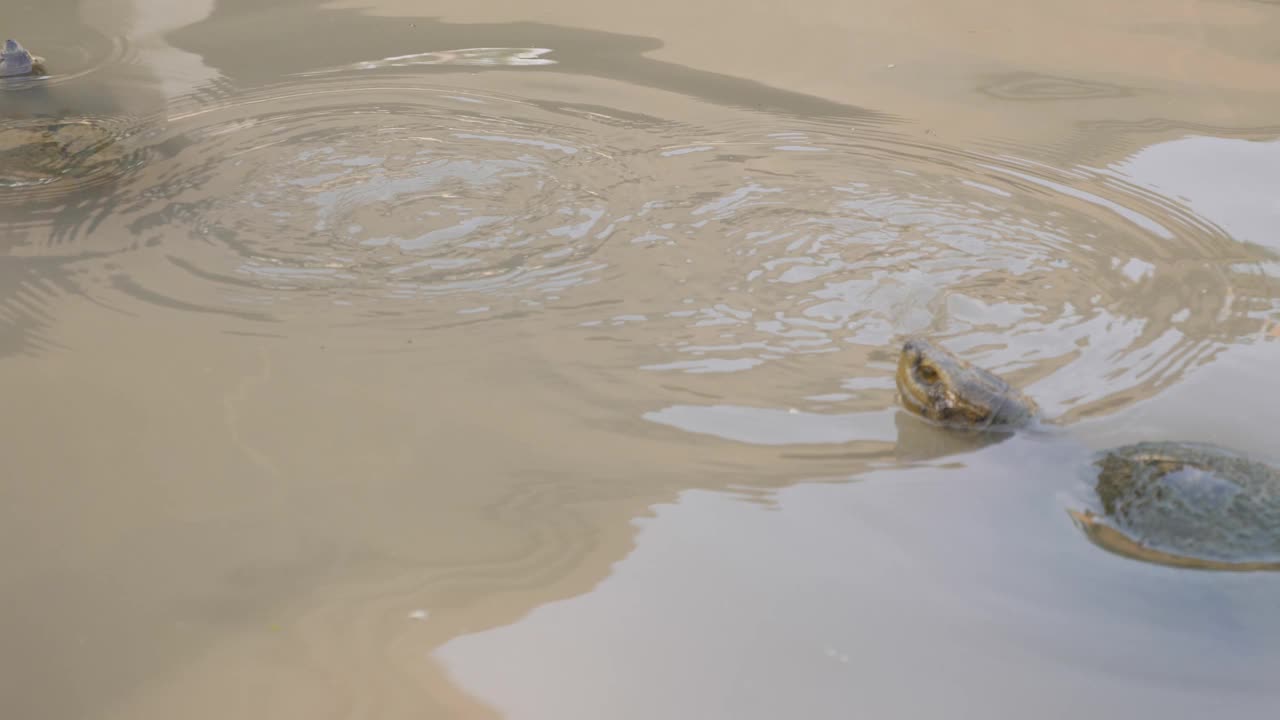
(41, 143)
(1181, 504)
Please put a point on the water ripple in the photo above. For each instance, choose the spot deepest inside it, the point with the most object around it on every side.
(774, 249)
(1094, 290)
(376, 194)
(66, 63)
(43, 160)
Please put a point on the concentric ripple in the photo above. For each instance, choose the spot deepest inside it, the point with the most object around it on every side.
(62, 132)
(43, 158)
(376, 195)
(1091, 289)
(791, 252)
(68, 56)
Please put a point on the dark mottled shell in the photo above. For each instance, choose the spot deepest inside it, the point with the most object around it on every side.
(1194, 501)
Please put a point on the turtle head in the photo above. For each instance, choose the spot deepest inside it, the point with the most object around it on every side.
(15, 60)
(938, 386)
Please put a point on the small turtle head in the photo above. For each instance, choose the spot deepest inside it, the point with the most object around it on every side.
(15, 60)
(940, 387)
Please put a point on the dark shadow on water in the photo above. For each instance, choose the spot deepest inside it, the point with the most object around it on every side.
(242, 42)
(920, 441)
(26, 287)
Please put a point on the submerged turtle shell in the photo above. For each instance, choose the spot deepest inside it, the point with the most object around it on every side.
(46, 150)
(1187, 504)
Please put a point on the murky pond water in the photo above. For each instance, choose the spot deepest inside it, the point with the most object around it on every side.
(537, 362)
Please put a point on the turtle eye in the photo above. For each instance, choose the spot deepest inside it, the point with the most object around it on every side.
(927, 374)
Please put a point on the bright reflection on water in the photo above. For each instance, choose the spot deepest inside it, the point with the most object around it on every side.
(721, 592)
(1238, 199)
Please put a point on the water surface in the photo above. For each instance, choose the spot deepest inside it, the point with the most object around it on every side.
(502, 361)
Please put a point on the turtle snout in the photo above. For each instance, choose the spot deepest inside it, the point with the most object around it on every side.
(914, 351)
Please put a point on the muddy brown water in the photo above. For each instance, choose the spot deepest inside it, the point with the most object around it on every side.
(535, 360)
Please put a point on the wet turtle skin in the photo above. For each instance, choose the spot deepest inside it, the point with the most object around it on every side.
(1182, 504)
(944, 389)
(15, 61)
